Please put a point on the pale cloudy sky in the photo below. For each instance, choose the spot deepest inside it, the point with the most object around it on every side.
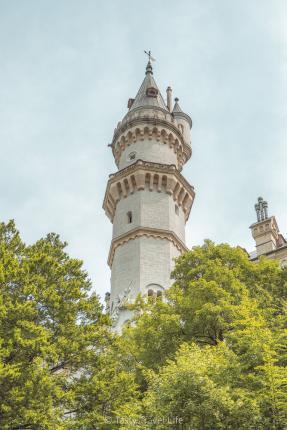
(67, 69)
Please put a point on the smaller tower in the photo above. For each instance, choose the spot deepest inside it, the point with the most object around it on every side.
(268, 239)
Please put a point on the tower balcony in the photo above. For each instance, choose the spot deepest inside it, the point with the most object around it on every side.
(150, 127)
(150, 176)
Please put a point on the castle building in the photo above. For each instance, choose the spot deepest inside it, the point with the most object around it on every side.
(268, 239)
(148, 200)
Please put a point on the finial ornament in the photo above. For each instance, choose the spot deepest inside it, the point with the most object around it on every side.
(150, 58)
(149, 66)
(261, 209)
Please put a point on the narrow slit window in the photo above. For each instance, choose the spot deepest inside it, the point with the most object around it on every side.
(130, 217)
(176, 209)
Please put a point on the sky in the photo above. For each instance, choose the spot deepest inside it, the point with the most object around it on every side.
(67, 69)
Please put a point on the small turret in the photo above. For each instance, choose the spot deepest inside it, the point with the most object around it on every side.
(265, 231)
(148, 95)
(183, 120)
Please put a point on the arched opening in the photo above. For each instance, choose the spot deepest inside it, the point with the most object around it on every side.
(155, 181)
(147, 180)
(133, 181)
(159, 293)
(127, 187)
(154, 292)
(119, 188)
(164, 183)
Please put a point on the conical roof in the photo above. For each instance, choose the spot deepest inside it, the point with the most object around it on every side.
(177, 108)
(142, 98)
(178, 112)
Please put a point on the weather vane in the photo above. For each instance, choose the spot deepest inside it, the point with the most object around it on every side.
(148, 53)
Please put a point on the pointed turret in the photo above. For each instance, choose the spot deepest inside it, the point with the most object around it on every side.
(148, 94)
(178, 112)
(177, 108)
(184, 120)
(150, 122)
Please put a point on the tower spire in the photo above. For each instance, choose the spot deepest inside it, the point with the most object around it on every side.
(149, 66)
(149, 94)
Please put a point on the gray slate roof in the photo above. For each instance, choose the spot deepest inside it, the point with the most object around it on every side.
(177, 108)
(142, 99)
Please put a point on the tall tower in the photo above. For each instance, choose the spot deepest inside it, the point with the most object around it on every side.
(147, 199)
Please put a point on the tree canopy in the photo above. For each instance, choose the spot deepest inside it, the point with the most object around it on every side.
(210, 354)
(214, 351)
(56, 370)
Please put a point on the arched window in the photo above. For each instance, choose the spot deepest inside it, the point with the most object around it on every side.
(154, 291)
(130, 217)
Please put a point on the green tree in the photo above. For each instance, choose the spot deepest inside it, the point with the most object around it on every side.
(54, 341)
(199, 389)
(218, 297)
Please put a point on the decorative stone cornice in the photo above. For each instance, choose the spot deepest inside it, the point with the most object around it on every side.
(150, 128)
(268, 225)
(152, 176)
(148, 232)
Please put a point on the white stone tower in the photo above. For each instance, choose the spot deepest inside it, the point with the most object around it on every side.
(147, 200)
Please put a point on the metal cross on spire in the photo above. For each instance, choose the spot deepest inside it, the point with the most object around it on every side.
(261, 209)
(150, 58)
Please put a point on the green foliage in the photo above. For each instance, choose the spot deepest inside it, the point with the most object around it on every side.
(201, 387)
(211, 355)
(54, 339)
(214, 352)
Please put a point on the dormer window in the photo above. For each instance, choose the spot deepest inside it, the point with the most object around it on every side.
(130, 103)
(151, 92)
